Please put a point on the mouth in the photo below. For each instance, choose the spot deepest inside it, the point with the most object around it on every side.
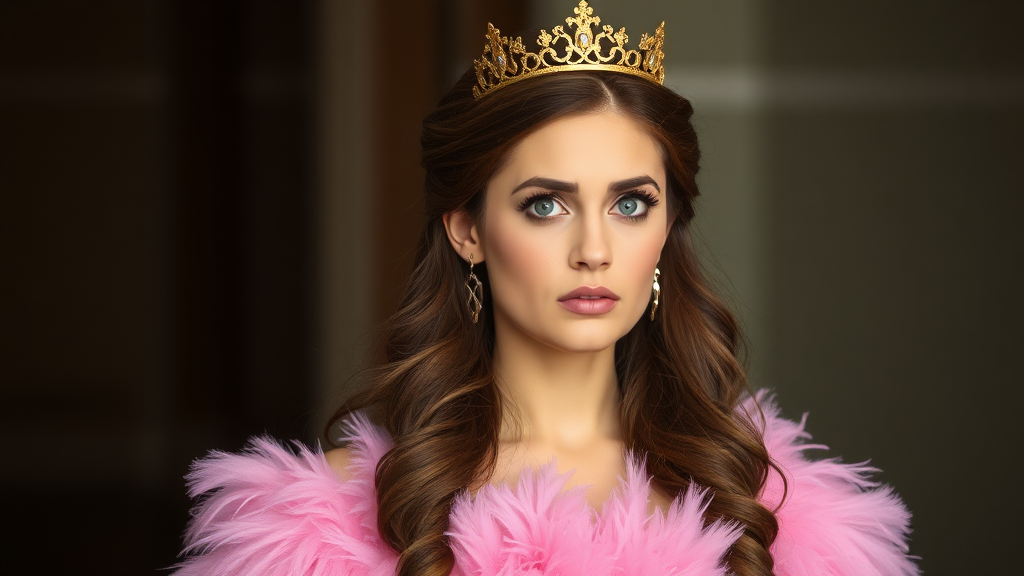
(589, 293)
(589, 300)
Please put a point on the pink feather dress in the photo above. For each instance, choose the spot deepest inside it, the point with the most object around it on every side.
(269, 511)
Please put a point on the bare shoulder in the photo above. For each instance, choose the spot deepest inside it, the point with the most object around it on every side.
(338, 459)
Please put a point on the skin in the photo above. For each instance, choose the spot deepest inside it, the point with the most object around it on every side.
(555, 366)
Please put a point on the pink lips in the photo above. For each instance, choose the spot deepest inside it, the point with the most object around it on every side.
(589, 300)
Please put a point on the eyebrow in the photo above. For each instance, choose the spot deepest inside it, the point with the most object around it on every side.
(573, 188)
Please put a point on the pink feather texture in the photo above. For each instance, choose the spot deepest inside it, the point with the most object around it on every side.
(539, 530)
(835, 520)
(271, 511)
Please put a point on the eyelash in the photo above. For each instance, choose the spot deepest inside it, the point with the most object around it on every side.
(642, 195)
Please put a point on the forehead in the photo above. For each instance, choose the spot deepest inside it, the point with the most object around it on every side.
(589, 148)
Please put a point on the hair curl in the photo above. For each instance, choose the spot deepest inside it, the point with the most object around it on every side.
(433, 389)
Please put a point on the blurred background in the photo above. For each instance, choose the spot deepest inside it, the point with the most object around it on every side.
(208, 205)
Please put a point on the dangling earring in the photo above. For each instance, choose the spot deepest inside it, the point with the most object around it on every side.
(476, 292)
(657, 292)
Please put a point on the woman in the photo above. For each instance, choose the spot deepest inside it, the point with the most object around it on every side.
(559, 391)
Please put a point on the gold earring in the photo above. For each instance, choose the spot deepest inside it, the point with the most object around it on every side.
(657, 292)
(476, 292)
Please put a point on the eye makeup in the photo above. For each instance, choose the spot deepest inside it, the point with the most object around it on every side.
(529, 204)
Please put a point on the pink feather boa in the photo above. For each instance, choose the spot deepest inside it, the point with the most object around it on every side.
(270, 512)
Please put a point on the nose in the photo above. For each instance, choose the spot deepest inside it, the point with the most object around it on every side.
(590, 248)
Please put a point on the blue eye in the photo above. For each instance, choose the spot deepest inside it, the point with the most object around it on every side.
(634, 206)
(544, 207)
(627, 206)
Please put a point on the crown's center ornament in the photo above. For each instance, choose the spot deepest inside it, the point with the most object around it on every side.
(506, 61)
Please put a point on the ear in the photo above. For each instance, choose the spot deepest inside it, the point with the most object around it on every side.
(464, 236)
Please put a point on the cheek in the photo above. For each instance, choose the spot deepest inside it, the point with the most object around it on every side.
(649, 250)
(520, 262)
(639, 264)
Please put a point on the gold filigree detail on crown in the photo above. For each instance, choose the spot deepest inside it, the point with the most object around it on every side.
(506, 61)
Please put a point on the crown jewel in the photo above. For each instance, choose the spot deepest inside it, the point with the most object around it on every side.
(506, 61)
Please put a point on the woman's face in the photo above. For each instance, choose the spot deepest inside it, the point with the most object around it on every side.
(572, 230)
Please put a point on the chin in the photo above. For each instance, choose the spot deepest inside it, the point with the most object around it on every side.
(590, 340)
(587, 348)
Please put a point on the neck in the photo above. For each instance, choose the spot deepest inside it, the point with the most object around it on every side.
(561, 399)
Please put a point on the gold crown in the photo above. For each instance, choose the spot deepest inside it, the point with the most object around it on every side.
(506, 61)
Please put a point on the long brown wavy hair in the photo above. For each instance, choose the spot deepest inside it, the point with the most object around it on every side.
(433, 389)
